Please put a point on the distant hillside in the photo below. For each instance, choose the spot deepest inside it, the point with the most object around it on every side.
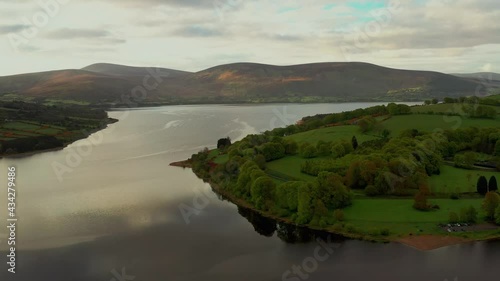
(342, 81)
(240, 82)
(115, 69)
(65, 84)
(480, 75)
(488, 80)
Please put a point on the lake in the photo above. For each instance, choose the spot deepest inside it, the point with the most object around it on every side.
(110, 208)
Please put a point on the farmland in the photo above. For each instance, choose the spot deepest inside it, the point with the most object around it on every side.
(28, 127)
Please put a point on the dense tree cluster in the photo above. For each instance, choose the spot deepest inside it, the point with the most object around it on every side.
(479, 111)
(398, 109)
(306, 202)
(317, 121)
(391, 167)
(473, 100)
(224, 143)
(57, 115)
(466, 160)
(72, 121)
(472, 107)
(29, 144)
(467, 215)
(491, 204)
(461, 144)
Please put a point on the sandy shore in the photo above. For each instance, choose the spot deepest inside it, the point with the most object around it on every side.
(182, 164)
(432, 242)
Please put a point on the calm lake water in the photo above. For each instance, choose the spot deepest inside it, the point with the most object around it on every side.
(108, 208)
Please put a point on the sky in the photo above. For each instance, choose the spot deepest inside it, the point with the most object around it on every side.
(451, 36)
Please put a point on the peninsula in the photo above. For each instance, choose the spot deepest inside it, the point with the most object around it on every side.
(425, 175)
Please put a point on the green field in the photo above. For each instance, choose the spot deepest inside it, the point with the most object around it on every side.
(455, 180)
(429, 123)
(21, 126)
(396, 124)
(290, 166)
(494, 97)
(27, 129)
(331, 134)
(398, 215)
(63, 101)
(14, 97)
(221, 159)
(445, 108)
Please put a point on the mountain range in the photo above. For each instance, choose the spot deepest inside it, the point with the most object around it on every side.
(115, 85)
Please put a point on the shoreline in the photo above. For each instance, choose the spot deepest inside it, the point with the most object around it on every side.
(245, 103)
(108, 122)
(424, 242)
(432, 242)
(182, 164)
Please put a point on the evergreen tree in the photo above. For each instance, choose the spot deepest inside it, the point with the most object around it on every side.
(354, 142)
(493, 186)
(482, 185)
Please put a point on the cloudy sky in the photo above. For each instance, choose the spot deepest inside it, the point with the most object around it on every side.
(441, 35)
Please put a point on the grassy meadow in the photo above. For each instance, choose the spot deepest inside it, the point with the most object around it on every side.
(399, 216)
(446, 108)
(456, 180)
(21, 129)
(290, 166)
(430, 123)
(331, 134)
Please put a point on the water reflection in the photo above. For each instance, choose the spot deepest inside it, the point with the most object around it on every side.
(262, 225)
(287, 232)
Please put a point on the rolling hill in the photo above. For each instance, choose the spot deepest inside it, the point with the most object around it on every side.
(106, 84)
(489, 76)
(121, 70)
(488, 80)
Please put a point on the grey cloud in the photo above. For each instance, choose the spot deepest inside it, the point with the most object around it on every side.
(439, 38)
(282, 37)
(28, 48)
(417, 27)
(113, 40)
(203, 4)
(92, 35)
(483, 5)
(4, 29)
(72, 33)
(198, 31)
